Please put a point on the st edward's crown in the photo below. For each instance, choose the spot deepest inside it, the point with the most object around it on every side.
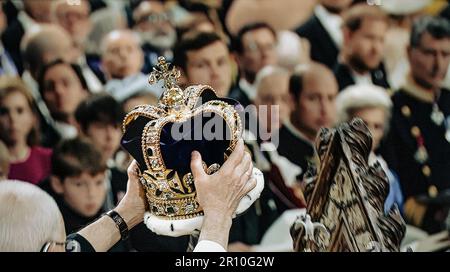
(164, 159)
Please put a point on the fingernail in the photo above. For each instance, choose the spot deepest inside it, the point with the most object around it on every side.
(194, 154)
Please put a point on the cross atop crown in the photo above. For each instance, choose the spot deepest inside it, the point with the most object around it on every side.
(162, 71)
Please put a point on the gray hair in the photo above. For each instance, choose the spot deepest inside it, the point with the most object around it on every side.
(104, 21)
(29, 217)
(437, 27)
(362, 96)
(269, 70)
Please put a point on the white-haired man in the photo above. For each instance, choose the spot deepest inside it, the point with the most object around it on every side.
(29, 218)
(154, 26)
(122, 60)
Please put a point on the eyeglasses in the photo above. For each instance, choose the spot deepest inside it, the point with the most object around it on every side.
(155, 18)
(47, 245)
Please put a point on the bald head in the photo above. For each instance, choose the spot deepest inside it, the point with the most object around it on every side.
(122, 55)
(45, 44)
(310, 75)
(272, 98)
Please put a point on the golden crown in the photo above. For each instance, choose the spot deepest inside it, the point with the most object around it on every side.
(170, 192)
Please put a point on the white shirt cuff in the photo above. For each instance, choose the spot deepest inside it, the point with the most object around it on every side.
(208, 246)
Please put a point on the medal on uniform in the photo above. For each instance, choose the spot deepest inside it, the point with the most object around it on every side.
(436, 115)
(421, 154)
(432, 191)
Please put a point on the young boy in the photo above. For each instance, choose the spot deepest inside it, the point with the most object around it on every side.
(78, 184)
(78, 180)
(100, 119)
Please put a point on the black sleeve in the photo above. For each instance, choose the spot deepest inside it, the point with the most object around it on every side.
(77, 243)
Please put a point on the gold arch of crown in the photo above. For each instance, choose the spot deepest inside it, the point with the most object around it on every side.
(170, 196)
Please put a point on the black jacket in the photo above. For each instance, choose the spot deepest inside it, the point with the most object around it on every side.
(11, 39)
(345, 78)
(323, 48)
(295, 149)
(403, 145)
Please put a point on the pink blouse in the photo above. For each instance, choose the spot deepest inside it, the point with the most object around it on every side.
(35, 168)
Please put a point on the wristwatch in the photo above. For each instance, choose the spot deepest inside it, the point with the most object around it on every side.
(120, 223)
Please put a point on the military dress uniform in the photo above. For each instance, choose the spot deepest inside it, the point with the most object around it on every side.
(419, 145)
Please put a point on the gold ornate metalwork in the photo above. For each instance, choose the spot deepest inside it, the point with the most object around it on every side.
(347, 197)
(169, 195)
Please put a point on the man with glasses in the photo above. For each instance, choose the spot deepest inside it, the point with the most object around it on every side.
(156, 30)
(420, 129)
(255, 48)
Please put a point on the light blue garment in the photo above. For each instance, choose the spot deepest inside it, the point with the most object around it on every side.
(395, 196)
(7, 66)
(121, 89)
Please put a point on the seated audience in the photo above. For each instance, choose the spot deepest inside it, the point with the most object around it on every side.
(31, 204)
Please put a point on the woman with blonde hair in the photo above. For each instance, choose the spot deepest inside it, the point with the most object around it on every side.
(19, 130)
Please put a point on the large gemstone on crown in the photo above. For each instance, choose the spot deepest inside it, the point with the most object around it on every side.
(161, 139)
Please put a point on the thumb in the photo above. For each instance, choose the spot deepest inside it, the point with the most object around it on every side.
(196, 166)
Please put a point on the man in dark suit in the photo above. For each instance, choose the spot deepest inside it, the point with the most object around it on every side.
(34, 12)
(360, 62)
(255, 48)
(313, 90)
(323, 30)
